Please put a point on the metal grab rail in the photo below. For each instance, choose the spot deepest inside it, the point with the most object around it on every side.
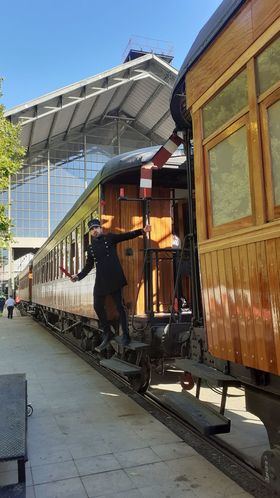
(157, 255)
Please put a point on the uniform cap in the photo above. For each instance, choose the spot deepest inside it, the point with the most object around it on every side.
(93, 223)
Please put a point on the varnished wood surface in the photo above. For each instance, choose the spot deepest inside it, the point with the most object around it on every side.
(241, 293)
(243, 30)
(240, 261)
(124, 216)
(200, 185)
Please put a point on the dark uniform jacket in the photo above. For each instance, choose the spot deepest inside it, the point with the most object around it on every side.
(102, 253)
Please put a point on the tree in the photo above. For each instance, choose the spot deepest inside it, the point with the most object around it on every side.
(11, 156)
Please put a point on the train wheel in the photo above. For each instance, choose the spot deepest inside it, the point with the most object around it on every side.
(186, 381)
(141, 382)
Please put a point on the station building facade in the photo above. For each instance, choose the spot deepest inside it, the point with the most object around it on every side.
(70, 134)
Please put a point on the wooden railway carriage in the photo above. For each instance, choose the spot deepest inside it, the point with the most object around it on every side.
(25, 286)
(149, 295)
(227, 95)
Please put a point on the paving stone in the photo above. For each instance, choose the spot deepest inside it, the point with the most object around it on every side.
(97, 464)
(169, 451)
(48, 455)
(86, 449)
(204, 479)
(136, 457)
(68, 488)
(99, 484)
(132, 493)
(53, 472)
(167, 491)
(152, 474)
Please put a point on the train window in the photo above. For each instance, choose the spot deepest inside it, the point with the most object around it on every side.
(68, 254)
(73, 253)
(274, 137)
(267, 66)
(79, 250)
(270, 114)
(57, 260)
(86, 237)
(55, 263)
(62, 257)
(51, 264)
(86, 244)
(86, 224)
(48, 267)
(43, 271)
(228, 177)
(56, 254)
(225, 105)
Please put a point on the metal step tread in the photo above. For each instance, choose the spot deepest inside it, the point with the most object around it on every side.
(132, 345)
(121, 366)
(194, 411)
(203, 371)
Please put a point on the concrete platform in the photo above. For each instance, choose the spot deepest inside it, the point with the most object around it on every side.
(88, 439)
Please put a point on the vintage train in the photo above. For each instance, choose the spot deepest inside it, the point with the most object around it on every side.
(224, 204)
(151, 265)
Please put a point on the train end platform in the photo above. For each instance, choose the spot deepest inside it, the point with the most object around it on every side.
(86, 438)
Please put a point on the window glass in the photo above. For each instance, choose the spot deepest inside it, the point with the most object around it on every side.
(79, 250)
(86, 244)
(232, 99)
(268, 66)
(94, 214)
(86, 224)
(229, 179)
(274, 135)
(62, 257)
(68, 254)
(73, 257)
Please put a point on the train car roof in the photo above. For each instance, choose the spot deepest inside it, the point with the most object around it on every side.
(116, 166)
(205, 37)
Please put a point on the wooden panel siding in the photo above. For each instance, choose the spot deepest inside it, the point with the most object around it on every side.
(241, 289)
(245, 28)
(124, 216)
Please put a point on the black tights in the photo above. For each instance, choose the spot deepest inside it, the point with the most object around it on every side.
(99, 306)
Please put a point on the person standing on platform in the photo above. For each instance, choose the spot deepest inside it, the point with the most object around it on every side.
(2, 303)
(110, 278)
(10, 304)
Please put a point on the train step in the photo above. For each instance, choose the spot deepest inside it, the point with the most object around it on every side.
(122, 367)
(204, 418)
(203, 371)
(134, 345)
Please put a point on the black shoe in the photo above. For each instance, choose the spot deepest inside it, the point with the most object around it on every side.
(125, 340)
(106, 337)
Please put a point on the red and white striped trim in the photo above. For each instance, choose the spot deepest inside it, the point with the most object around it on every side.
(146, 179)
(159, 160)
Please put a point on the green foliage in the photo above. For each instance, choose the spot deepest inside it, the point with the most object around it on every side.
(11, 156)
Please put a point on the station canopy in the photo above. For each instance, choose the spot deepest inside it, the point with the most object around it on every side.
(136, 94)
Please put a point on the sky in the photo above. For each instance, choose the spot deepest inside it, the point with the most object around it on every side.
(48, 44)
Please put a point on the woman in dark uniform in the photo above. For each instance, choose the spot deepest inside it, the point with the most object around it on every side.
(110, 278)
